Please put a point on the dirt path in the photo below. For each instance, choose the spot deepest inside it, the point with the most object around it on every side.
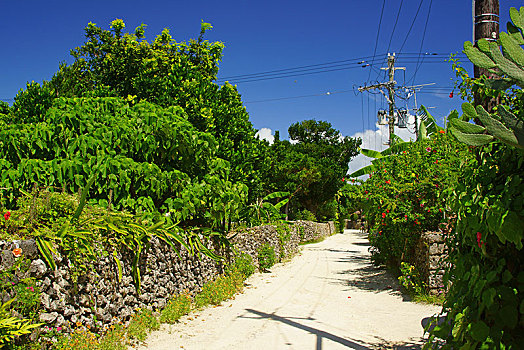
(329, 297)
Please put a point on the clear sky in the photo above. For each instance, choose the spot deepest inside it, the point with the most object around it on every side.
(261, 36)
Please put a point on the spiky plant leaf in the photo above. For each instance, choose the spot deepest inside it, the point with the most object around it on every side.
(478, 58)
(515, 33)
(506, 66)
(469, 110)
(512, 49)
(513, 123)
(467, 128)
(496, 128)
(472, 139)
(516, 17)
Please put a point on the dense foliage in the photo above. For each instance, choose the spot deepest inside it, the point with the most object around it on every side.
(406, 195)
(485, 304)
(167, 73)
(312, 167)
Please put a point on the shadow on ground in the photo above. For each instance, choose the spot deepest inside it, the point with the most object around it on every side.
(322, 335)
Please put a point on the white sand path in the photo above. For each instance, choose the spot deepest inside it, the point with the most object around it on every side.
(328, 297)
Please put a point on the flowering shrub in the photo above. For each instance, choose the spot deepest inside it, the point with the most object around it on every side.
(485, 305)
(406, 195)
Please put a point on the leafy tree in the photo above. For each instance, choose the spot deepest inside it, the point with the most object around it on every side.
(112, 63)
(312, 168)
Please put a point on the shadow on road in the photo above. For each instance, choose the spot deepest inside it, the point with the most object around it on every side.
(320, 335)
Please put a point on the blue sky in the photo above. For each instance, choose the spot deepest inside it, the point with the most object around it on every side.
(263, 36)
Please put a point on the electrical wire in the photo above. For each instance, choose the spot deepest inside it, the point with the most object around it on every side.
(411, 27)
(412, 80)
(378, 32)
(395, 26)
(302, 96)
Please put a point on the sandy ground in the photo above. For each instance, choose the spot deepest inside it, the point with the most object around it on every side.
(328, 297)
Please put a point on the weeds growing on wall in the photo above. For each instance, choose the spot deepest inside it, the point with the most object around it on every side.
(266, 257)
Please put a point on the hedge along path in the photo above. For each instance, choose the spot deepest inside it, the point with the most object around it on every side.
(328, 297)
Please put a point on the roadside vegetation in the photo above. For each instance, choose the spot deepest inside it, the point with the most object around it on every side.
(132, 141)
(465, 181)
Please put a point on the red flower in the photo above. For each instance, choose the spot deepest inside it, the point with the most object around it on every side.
(383, 215)
(479, 240)
(442, 131)
(17, 252)
(388, 182)
(7, 215)
(366, 192)
(451, 94)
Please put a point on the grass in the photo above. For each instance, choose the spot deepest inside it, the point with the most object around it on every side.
(429, 299)
(222, 288)
(311, 241)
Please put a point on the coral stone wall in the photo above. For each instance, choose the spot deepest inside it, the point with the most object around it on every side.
(102, 296)
(431, 252)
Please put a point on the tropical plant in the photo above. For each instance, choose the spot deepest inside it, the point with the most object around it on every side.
(484, 306)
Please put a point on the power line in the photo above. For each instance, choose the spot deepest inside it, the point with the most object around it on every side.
(411, 27)
(378, 32)
(395, 26)
(422, 43)
(361, 59)
(302, 96)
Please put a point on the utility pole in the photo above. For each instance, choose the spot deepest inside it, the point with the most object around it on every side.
(486, 26)
(390, 86)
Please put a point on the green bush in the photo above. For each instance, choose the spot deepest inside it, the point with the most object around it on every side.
(175, 308)
(141, 324)
(406, 195)
(411, 280)
(266, 257)
(305, 215)
(244, 264)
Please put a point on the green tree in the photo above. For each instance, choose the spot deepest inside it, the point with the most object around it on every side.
(312, 168)
(113, 63)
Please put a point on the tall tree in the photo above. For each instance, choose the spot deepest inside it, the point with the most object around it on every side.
(313, 167)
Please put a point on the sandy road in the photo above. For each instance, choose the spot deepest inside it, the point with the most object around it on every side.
(329, 297)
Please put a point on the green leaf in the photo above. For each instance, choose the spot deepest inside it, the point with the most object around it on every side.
(479, 331)
(516, 18)
(118, 265)
(512, 228)
(370, 153)
(466, 128)
(512, 49)
(472, 139)
(363, 171)
(478, 58)
(515, 33)
(496, 128)
(469, 110)
(46, 250)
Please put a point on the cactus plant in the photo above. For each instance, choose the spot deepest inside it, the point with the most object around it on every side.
(508, 65)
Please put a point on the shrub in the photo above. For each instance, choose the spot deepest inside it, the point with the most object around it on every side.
(244, 264)
(266, 257)
(410, 279)
(175, 308)
(406, 196)
(305, 215)
(141, 324)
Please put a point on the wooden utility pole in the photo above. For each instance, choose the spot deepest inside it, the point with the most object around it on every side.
(390, 86)
(485, 26)
(391, 92)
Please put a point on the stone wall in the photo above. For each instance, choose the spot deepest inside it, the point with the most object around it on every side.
(100, 298)
(430, 255)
